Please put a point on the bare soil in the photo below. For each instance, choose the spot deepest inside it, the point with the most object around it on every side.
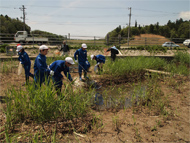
(121, 125)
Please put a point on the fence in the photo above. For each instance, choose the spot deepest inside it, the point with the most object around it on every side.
(93, 41)
(11, 50)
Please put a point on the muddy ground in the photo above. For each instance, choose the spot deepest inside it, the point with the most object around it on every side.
(122, 125)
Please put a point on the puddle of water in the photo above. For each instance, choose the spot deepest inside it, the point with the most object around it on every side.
(93, 84)
(113, 97)
(99, 99)
(113, 100)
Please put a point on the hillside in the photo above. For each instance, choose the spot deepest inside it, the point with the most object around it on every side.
(177, 31)
(146, 39)
(151, 38)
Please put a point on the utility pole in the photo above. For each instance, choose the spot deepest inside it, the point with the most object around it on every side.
(129, 26)
(23, 9)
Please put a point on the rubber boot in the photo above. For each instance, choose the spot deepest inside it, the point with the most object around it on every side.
(32, 76)
(27, 81)
(85, 75)
(80, 74)
(99, 70)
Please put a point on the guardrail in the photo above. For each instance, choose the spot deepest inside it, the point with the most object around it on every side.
(95, 41)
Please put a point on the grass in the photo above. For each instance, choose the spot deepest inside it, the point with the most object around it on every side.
(136, 65)
(133, 65)
(182, 57)
(8, 66)
(42, 105)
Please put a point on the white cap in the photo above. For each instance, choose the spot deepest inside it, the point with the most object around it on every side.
(43, 47)
(84, 45)
(69, 60)
(19, 47)
(92, 56)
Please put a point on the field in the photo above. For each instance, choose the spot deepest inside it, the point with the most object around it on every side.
(138, 106)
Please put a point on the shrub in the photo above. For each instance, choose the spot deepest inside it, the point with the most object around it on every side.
(182, 57)
(2, 48)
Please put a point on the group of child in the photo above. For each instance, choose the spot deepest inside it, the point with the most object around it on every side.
(42, 70)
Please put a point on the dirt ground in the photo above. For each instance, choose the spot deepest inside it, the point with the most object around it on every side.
(123, 125)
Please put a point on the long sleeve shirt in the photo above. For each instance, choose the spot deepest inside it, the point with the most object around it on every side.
(59, 66)
(82, 55)
(65, 48)
(24, 58)
(113, 50)
(100, 59)
(40, 66)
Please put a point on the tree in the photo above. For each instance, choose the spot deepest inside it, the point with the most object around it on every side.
(134, 31)
(139, 27)
(135, 23)
(118, 29)
(173, 33)
(166, 31)
(184, 30)
(124, 32)
(151, 29)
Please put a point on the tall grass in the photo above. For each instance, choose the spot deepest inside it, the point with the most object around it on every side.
(133, 65)
(8, 66)
(182, 57)
(42, 104)
(180, 64)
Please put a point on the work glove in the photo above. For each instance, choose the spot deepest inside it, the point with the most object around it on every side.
(97, 64)
(51, 72)
(76, 61)
(21, 64)
(95, 68)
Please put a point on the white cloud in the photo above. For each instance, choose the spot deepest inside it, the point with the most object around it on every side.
(185, 15)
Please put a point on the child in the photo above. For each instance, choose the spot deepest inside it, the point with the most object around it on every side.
(41, 71)
(100, 59)
(59, 66)
(25, 61)
(82, 58)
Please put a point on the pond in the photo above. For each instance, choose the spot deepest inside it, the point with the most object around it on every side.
(117, 97)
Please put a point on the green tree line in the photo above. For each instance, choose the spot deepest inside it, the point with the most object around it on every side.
(11, 26)
(177, 29)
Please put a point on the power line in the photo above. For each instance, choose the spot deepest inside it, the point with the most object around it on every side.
(70, 7)
(92, 8)
(154, 11)
(80, 16)
(80, 23)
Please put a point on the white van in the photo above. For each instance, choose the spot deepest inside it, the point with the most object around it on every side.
(186, 42)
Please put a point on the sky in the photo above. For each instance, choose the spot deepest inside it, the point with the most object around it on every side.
(89, 18)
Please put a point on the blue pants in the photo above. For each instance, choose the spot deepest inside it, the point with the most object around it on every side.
(58, 84)
(82, 66)
(88, 65)
(27, 71)
(40, 79)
